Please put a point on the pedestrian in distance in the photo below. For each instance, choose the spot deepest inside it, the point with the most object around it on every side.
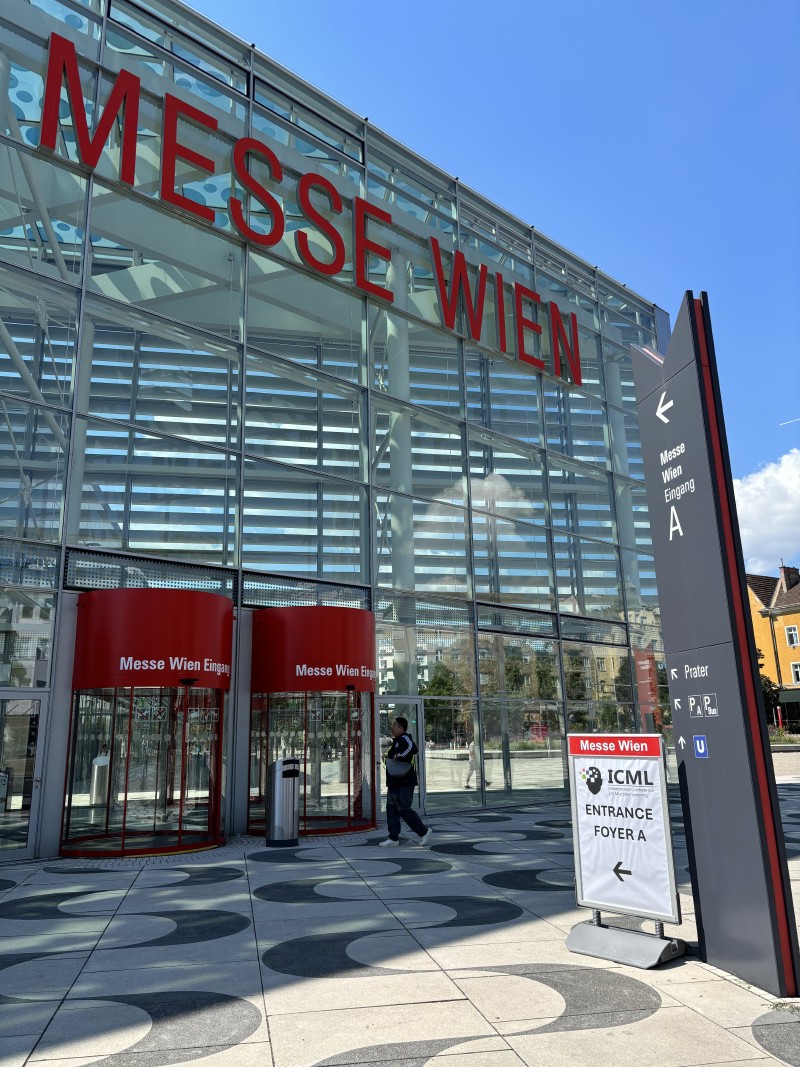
(401, 781)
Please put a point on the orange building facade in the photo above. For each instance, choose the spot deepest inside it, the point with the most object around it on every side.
(775, 613)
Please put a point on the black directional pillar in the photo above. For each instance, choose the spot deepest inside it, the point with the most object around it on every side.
(737, 859)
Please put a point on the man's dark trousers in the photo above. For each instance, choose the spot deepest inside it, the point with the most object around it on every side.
(398, 806)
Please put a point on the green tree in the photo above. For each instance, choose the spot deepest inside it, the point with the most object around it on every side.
(443, 682)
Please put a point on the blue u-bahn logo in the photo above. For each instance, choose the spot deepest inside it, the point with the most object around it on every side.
(700, 746)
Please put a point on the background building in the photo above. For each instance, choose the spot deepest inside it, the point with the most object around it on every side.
(775, 614)
(219, 373)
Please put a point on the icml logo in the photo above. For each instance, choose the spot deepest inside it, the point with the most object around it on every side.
(593, 779)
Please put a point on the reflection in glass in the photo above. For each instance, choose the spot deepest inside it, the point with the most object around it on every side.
(524, 750)
(42, 215)
(145, 771)
(33, 452)
(297, 416)
(414, 363)
(38, 332)
(161, 376)
(588, 577)
(26, 633)
(513, 563)
(416, 454)
(142, 493)
(580, 499)
(451, 729)
(19, 729)
(141, 254)
(420, 545)
(299, 523)
(299, 317)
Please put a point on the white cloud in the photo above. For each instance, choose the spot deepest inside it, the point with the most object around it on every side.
(768, 502)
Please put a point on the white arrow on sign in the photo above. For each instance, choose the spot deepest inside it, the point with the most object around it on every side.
(662, 407)
(674, 672)
(682, 742)
(677, 703)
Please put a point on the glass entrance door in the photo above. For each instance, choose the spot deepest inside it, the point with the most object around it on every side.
(20, 774)
(331, 733)
(145, 771)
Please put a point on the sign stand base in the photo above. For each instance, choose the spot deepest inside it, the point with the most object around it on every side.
(633, 947)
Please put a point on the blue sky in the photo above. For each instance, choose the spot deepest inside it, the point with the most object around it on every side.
(660, 141)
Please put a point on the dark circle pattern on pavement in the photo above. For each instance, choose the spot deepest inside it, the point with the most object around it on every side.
(530, 880)
(778, 1032)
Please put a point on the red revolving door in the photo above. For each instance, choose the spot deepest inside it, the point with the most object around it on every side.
(313, 680)
(145, 765)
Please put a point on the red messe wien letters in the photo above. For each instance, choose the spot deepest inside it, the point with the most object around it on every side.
(318, 200)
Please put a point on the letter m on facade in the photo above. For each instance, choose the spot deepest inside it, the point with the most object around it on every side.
(62, 66)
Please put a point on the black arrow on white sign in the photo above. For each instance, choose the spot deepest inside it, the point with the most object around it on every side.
(619, 870)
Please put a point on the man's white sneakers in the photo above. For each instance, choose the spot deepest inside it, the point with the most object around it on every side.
(425, 838)
(389, 843)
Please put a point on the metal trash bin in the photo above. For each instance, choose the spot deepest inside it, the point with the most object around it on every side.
(98, 791)
(283, 790)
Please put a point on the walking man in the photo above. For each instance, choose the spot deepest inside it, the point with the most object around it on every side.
(401, 781)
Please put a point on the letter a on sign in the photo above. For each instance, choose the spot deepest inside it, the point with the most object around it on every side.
(674, 524)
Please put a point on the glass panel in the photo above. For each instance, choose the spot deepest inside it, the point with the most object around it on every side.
(142, 493)
(38, 331)
(618, 372)
(408, 274)
(87, 806)
(633, 517)
(453, 770)
(19, 729)
(580, 498)
(300, 318)
(33, 451)
(207, 92)
(187, 47)
(525, 751)
(576, 425)
(166, 378)
(299, 417)
(588, 576)
(626, 444)
(507, 478)
(604, 718)
(42, 215)
(505, 396)
(413, 362)
(513, 563)
(296, 523)
(25, 57)
(597, 672)
(420, 545)
(295, 148)
(325, 783)
(518, 667)
(201, 790)
(415, 454)
(569, 299)
(159, 260)
(641, 590)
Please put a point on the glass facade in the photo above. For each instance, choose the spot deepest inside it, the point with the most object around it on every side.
(215, 382)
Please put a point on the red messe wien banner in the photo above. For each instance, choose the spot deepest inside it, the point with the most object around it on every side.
(122, 112)
(643, 745)
(308, 649)
(153, 637)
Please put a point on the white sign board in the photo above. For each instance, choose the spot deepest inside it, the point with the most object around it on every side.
(620, 824)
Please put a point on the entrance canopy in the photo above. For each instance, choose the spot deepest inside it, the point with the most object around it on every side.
(317, 649)
(153, 637)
